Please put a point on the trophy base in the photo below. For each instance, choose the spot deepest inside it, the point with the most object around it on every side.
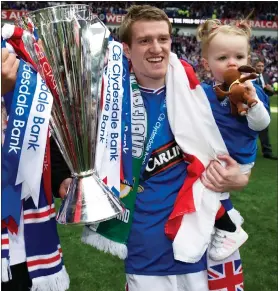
(88, 200)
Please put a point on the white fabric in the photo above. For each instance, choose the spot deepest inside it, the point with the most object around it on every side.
(235, 216)
(245, 169)
(91, 237)
(30, 166)
(258, 118)
(7, 31)
(188, 282)
(108, 155)
(17, 244)
(194, 234)
(58, 281)
(201, 138)
(6, 274)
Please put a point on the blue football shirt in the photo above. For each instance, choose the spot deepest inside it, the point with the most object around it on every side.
(150, 252)
(240, 140)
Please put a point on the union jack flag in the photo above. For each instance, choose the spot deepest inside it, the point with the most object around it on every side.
(226, 277)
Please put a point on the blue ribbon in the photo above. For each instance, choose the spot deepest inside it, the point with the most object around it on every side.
(18, 110)
(126, 125)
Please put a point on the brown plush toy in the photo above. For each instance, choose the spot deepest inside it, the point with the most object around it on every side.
(238, 94)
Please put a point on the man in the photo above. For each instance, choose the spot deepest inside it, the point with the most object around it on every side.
(263, 81)
(150, 264)
(27, 252)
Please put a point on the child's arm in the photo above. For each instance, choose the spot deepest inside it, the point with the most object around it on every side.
(258, 117)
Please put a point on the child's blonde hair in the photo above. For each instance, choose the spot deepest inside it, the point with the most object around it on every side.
(211, 27)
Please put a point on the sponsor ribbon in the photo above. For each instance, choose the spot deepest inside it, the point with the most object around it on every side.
(126, 159)
(102, 155)
(30, 167)
(114, 132)
(108, 157)
(12, 39)
(18, 115)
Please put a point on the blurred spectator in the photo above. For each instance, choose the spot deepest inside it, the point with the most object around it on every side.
(186, 9)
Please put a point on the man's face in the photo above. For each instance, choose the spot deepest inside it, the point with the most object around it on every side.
(226, 51)
(259, 67)
(149, 52)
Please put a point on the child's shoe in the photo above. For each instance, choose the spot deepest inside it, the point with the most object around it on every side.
(224, 243)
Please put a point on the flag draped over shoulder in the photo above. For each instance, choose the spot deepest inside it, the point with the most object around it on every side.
(191, 222)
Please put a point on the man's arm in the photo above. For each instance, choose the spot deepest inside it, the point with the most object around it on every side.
(225, 179)
(268, 88)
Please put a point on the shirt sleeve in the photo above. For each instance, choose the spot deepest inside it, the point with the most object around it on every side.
(59, 168)
(258, 117)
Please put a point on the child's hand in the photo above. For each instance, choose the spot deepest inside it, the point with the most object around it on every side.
(250, 87)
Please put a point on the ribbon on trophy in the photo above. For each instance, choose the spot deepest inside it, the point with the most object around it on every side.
(108, 157)
(12, 36)
(33, 148)
(111, 236)
(26, 153)
(25, 140)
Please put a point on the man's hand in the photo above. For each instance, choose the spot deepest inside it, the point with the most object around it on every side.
(9, 69)
(64, 187)
(268, 88)
(224, 179)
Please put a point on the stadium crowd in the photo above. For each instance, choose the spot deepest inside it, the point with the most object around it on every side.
(186, 46)
(189, 9)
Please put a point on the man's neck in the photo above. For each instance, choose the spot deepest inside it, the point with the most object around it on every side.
(150, 83)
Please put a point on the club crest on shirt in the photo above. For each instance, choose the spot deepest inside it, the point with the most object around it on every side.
(125, 188)
(163, 158)
(225, 102)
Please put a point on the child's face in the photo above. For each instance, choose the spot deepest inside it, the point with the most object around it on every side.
(226, 51)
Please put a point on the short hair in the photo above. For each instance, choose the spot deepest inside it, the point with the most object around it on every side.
(140, 12)
(211, 27)
(259, 60)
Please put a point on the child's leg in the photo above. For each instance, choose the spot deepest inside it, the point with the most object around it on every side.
(227, 238)
(223, 220)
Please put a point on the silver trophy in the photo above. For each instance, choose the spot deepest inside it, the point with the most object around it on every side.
(74, 42)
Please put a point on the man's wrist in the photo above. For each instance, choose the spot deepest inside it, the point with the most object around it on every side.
(241, 182)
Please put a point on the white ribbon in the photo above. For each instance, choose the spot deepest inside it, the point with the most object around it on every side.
(33, 149)
(108, 153)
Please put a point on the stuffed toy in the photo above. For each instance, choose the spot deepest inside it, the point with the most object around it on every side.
(239, 95)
